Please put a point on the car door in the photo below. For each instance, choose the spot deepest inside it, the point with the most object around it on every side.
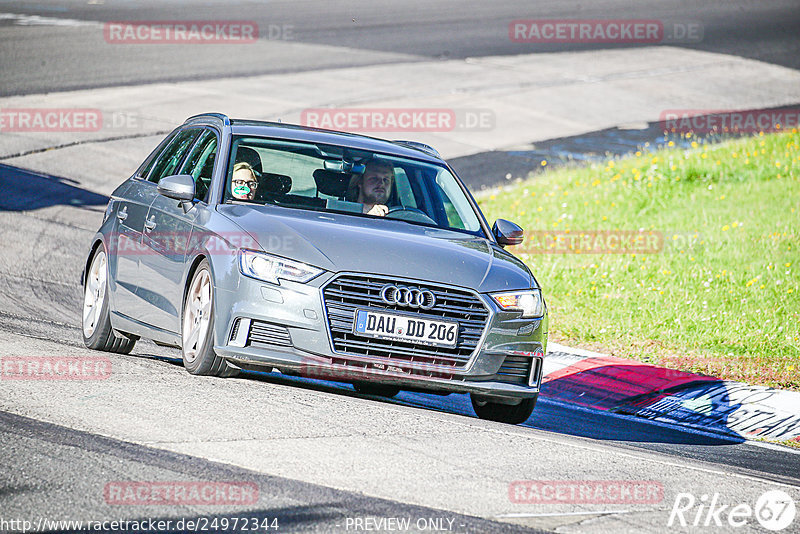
(167, 231)
(138, 301)
(126, 237)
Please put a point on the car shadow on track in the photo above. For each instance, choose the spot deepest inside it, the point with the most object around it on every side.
(23, 190)
(549, 415)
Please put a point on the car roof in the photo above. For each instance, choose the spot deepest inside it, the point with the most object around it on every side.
(296, 132)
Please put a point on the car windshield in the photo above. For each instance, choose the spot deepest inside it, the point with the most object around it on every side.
(345, 180)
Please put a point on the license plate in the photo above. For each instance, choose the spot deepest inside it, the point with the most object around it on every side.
(406, 328)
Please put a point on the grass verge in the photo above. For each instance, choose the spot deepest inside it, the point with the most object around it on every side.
(710, 283)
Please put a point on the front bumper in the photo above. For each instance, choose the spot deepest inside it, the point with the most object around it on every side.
(260, 325)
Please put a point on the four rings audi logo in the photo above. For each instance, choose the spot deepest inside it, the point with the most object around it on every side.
(408, 296)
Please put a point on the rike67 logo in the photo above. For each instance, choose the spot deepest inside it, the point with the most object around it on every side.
(775, 510)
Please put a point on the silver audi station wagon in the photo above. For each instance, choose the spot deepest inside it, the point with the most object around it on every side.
(266, 246)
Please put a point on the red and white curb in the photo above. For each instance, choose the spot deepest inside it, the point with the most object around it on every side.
(603, 382)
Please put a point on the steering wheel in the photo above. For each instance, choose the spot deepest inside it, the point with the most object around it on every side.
(409, 214)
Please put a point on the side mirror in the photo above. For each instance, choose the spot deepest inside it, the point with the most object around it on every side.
(177, 187)
(507, 233)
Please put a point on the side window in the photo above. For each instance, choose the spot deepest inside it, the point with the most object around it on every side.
(200, 163)
(145, 167)
(169, 160)
(404, 188)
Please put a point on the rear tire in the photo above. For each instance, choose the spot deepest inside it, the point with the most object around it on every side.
(197, 332)
(512, 414)
(378, 390)
(96, 319)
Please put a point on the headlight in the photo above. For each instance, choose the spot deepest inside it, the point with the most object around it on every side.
(528, 302)
(273, 268)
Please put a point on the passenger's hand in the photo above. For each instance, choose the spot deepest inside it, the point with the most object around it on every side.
(378, 209)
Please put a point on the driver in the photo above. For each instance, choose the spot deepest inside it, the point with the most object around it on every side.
(244, 182)
(373, 188)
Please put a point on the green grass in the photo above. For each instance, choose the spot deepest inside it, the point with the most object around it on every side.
(722, 297)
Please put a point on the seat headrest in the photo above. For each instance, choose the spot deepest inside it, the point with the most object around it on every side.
(274, 184)
(249, 155)
(331, 183)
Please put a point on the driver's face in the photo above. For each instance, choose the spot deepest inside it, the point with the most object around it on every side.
(244, 184)
(376, 184)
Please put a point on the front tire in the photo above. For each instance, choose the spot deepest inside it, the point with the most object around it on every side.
(197, 332)
(96, 319)
(513, 414)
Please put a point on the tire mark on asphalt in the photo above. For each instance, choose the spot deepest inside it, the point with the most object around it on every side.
(83, 142)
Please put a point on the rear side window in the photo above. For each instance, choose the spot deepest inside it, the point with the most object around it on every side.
(145, 167)
(171, 157)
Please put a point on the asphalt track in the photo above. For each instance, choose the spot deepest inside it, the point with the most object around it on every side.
(318, 452)
(43, 57)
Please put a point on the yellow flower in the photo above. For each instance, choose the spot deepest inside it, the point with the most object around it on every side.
(726, 228)
(544, 162)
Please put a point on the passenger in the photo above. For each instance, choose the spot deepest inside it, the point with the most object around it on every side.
(244, 182)
(373, 188)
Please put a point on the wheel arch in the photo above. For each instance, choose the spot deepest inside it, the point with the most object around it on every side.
(96, 244)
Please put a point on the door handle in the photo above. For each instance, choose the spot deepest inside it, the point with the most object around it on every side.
(150, 223)
(122, 214)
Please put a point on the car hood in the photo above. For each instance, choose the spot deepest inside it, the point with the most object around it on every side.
(339, 243)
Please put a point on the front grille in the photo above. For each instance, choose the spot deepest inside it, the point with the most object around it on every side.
(268, 335)
(515, 370)
(347, 293)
